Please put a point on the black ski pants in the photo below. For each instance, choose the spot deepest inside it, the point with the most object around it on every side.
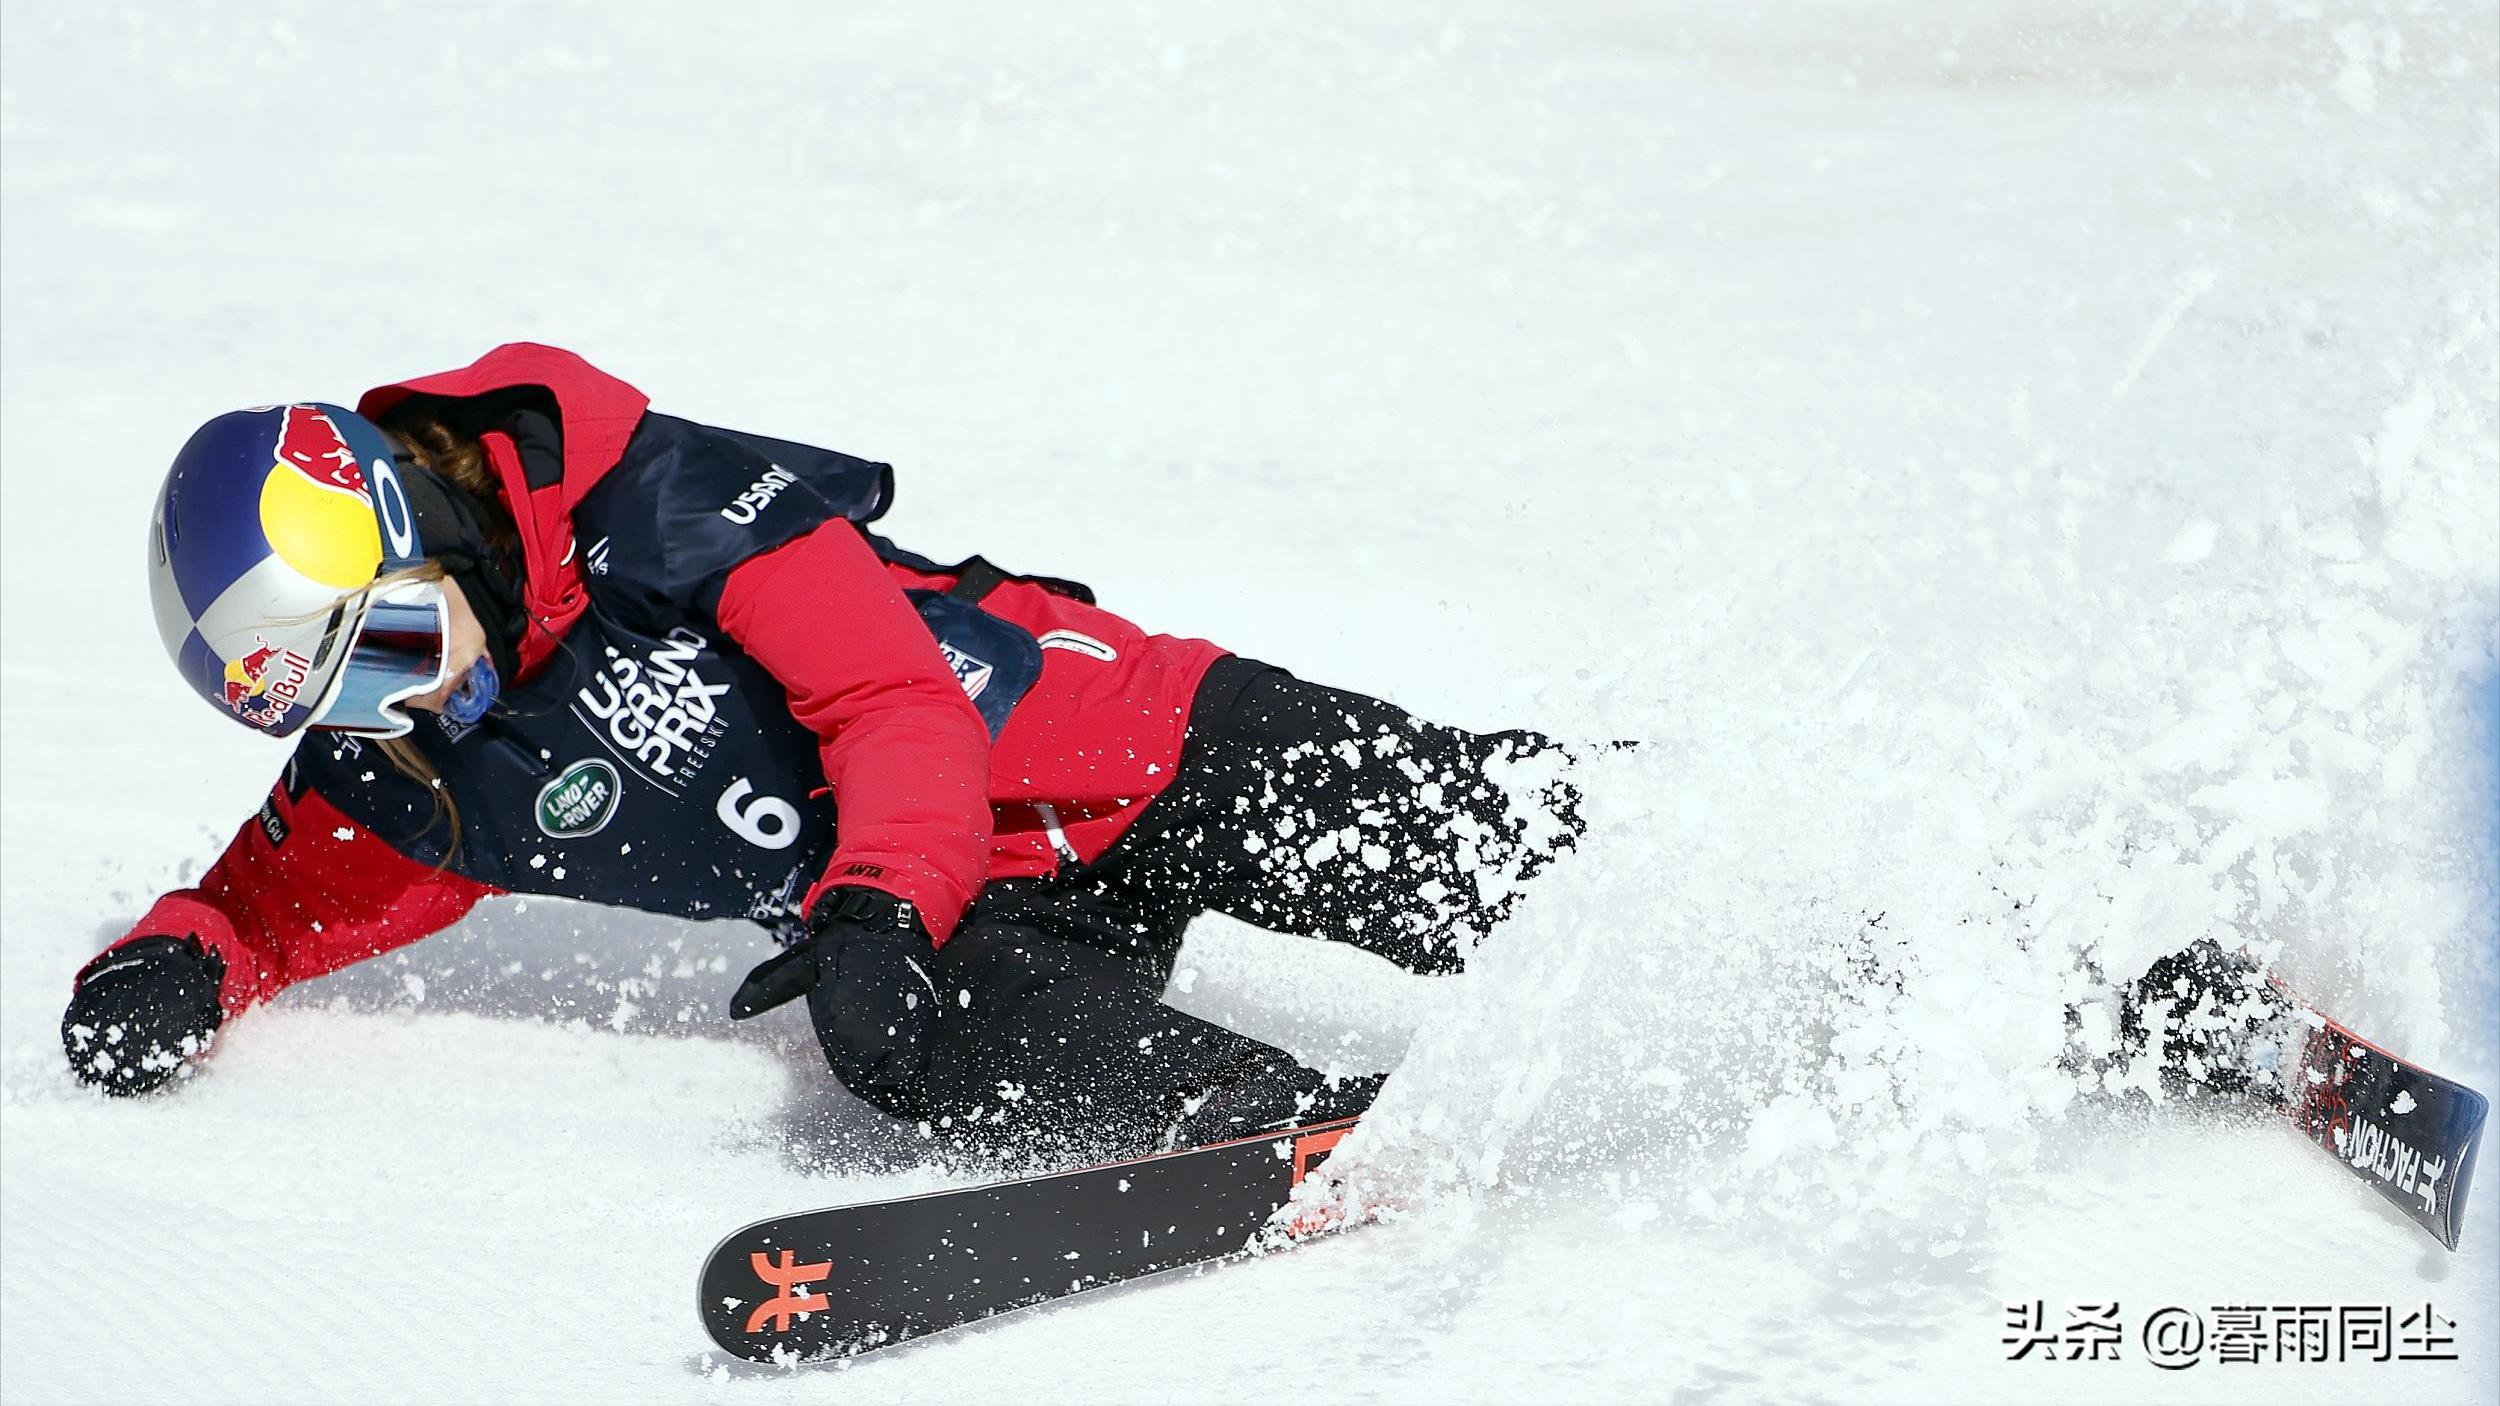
(1296, 807)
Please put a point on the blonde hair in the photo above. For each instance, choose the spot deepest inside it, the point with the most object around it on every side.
(402, 752)
(429, 441)
(422, 437)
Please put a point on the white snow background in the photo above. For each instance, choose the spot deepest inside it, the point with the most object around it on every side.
(1987, 451)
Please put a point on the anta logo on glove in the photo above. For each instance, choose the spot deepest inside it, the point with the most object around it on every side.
(759, 494)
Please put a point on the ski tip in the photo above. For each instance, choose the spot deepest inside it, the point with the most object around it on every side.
(2472, 1109)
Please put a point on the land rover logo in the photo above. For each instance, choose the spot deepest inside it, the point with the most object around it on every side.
(580, 801)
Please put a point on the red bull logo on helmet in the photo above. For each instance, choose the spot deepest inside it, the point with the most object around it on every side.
(247, 676)
(316, 505)
(313, 446)
(266, 682)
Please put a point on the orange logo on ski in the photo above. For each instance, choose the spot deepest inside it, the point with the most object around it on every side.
(786, 1304)
(1309, 1150)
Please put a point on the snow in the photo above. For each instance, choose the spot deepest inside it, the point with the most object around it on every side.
(1986, 453)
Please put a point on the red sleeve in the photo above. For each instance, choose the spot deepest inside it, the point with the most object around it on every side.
(301, 892)
(904, 749)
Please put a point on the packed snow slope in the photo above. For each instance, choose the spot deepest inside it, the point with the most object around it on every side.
(2026, 472)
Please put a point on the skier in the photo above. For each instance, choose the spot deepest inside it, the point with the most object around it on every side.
(535, 638)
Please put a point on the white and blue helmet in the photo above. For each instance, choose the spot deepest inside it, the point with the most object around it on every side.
(271, 527)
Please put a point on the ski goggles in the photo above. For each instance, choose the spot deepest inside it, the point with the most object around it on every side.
(396, 650)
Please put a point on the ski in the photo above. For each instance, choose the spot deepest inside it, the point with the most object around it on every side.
(835, 1283)
(2220, 1022)
(2409, 1133)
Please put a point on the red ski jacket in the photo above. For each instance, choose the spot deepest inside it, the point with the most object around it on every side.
(925, 803)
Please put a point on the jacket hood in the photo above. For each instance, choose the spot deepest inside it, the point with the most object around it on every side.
(598, 412)
(596, 417)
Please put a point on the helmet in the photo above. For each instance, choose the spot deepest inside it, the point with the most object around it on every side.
(272, 527)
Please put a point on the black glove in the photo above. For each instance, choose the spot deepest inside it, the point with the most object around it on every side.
(140, 1011)
(864, 968)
